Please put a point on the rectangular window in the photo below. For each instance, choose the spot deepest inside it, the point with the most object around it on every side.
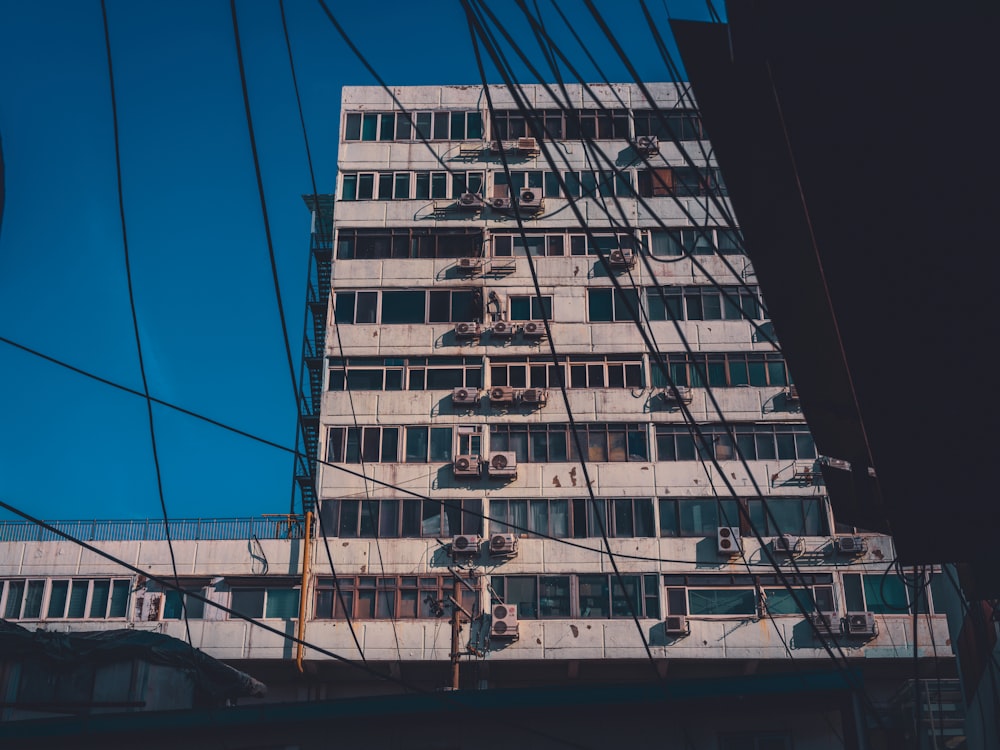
(36, 599)
(526, 307)
(172, 605)
(555, 442)
(611, 305)
(381, 598)
(354, 445)
(590, 596)
(272, 602)
(428, 444)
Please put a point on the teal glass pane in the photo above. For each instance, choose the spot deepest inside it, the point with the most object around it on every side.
(282, 603)
(722, 602)
(885, 594)
(785, 602)
(78, 599)
(119, 599)
(58, 593)
(99, 599)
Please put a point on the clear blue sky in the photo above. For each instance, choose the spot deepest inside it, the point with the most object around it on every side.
(73, 448)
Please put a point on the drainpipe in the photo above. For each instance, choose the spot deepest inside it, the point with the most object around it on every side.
(307, 544)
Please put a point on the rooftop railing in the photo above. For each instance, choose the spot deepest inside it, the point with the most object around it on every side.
(186, 529)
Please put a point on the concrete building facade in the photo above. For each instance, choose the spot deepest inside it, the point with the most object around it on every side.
(592, 529)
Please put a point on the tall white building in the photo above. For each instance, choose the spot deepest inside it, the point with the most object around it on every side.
(449, 450)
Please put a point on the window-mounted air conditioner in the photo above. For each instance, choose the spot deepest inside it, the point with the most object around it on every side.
(534, 396)
(503, 329)
(530, 199)
(502, 464)
(503, 544)
(467, 330)
(470, 200)
(621, 258)
(647, 144)
(469, 265)
(677, 395)
(787, 544)
(465, 544)
(527, 144)
(676, 625)
(850, 545)
(728, 540)
(504, 621)
(860, 623)
(466, 466)
(501, 394)
(824, 621)
(533, 329)
(465, 396)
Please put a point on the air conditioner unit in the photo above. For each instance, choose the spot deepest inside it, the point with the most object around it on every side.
(824, 621)
(676, 625)
(860, 623)
(502, 464)
(465, 544)
(465, 397)
(792, 394)
(678, 394)
(534, 396)
(470, 200)
(503, 544)
(466, 466)
(530, 199)
(500, 204)
(467, 330)
(787, 544)
(728, 539)
(501, 394)
(533, 329)
(647, 144)
(503, 329)
(504, 621)
(527, 144)
(621, 258)
(850, 545)
(469, 265)
(498, 146)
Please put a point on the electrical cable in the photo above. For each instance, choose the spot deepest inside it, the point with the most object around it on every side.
(135, 318)
(767, 553)
(474, 30)
(453, 700)
(340, 346)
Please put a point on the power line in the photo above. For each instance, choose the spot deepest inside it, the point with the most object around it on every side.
(132, 308)
(453, 700)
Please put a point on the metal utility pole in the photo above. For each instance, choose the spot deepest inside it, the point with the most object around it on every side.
(456, 631)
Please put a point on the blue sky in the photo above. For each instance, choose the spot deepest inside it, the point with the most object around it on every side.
(212, 343)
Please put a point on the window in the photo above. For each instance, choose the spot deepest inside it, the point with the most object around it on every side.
(579, 518)
(392, 307)
(68, 598)
(727, 369)
(801, 516)
(528, 307)
(703, 303)
(175, 601)
(428, 444)
(538, 244)
(554, 442)
(756, 442)
(596, 596)
(607, 305)
(695, 241)
(681, 125)
(396, 374)
(395, 518)
(680, 182)
(584, 372)
(354, 445)
(382, 598)
(278, 602)
(887, 594)
(408, 243)
(399, 126)
(714, 595)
